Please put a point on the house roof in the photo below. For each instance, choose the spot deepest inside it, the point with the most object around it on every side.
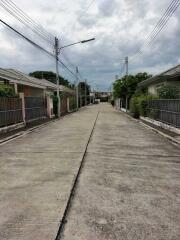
(169, 74)
(15, 76)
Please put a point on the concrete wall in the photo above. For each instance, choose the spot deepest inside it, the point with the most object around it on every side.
(152, 89)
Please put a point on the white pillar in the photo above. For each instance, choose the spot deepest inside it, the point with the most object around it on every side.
(16, 88)
(68, 106)
(21, 95)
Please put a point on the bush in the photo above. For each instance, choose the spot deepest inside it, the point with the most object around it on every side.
(55, 104)
(7, 91)
(168, 92)
(138, 105)
(112, 103)
(72, 103)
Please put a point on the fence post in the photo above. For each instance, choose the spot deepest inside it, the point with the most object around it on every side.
(68, 107)
(49, 106)
(21, 95)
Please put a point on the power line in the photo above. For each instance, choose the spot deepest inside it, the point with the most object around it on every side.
(36, 45)
(27, 39)
(51, 36)
(88, 7)
(155, 32)
(160, 25)
(161, 20)
(24, 21)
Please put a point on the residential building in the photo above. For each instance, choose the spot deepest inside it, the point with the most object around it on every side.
(170, 77)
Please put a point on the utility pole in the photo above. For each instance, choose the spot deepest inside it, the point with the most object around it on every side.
(77, 89)
(85, 82)
(57, 52)
(126, 63)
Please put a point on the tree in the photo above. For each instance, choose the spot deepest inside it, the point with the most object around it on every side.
(126, 87)
(84, 88)
(168, 92)
(7, 91)
(50, 76)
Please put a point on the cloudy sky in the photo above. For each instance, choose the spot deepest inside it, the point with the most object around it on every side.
(119, 26)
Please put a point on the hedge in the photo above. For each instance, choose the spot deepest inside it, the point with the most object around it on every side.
(138, 105)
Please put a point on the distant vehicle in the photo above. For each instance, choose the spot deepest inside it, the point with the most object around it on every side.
(96, 101)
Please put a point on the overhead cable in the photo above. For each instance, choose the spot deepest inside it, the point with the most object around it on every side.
(159, 26)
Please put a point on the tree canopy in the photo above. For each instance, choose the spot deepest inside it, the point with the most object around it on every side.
(127, 85)
(50, 76)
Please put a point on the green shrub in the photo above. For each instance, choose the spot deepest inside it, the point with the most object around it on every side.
(112, 103)
(7, 91)
(169, 92)
(55, 104)
(138, 105)
(72, 103)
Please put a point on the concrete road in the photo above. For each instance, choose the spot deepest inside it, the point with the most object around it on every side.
(36, 176)
(129, 187)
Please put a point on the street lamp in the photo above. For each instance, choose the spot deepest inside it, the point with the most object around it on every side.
(83, 41)
(57, 52)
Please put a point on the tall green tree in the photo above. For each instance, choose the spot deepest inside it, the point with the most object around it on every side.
(84, 88)
(127, 85)
(50, 76)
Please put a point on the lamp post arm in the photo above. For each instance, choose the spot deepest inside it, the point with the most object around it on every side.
(69, 45)
(83, 41)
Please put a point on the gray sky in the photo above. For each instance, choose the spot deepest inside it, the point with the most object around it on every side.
(119, 26)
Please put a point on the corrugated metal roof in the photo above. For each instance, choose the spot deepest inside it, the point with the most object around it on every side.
(24, 79)
(170, 73)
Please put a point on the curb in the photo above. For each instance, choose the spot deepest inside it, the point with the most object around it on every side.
(171, 139)
(25, 132)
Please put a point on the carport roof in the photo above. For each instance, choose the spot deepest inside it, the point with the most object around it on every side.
(24, 79)
(168, 74)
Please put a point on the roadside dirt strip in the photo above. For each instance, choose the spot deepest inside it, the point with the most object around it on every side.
(129, 186)
(37, 173)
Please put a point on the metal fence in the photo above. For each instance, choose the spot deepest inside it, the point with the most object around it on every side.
(166, 111)
(10, 111)
(35, 108)
(63, 106)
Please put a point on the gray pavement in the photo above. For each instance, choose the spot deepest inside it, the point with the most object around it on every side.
(36, 175)
(129, 187)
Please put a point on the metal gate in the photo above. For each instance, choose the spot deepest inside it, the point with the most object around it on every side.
(35, 108)
(63, 108)
(10, 111)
